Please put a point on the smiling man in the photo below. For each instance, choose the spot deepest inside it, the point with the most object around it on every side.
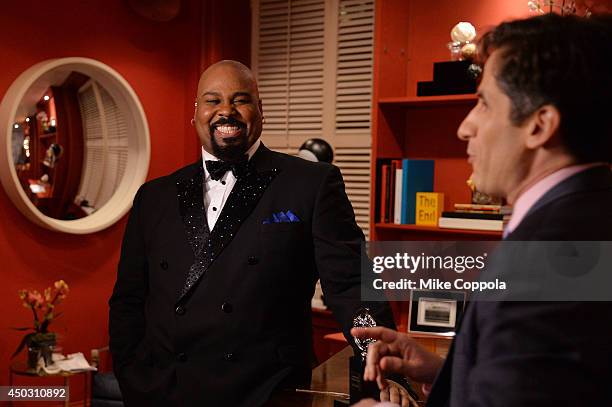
(541, 137)
(219, 262)
(228, 115)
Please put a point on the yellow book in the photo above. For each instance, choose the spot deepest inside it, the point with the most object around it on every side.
(429, 207)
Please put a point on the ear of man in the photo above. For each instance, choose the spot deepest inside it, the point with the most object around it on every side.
(543, 128)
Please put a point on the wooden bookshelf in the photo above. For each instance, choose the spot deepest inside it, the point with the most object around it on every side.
(410, 36)
(428, 101)
(408, 126)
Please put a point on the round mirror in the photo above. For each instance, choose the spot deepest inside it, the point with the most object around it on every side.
(76, 144)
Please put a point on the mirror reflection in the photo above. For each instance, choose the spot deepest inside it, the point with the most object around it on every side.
(69, 144)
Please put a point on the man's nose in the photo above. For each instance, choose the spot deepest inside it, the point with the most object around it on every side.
(467, 128)
(226, 109)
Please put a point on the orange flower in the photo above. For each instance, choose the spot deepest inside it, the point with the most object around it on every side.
(61, 290)
(61, 286)
(34, 299)
(48, 294)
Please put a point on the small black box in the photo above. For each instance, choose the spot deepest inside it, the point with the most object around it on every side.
(427, 88)
(450, 78)
(452, 72)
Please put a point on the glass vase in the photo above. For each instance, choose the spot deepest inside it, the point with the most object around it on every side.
(41, 348)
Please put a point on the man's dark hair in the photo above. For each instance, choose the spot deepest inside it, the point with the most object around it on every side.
(564, 61)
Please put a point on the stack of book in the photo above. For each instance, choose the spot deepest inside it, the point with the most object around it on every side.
(400, 181)
(473, 216)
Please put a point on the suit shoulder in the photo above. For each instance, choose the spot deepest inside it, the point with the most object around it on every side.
(291, 162)
(585, 215)
(168, 181)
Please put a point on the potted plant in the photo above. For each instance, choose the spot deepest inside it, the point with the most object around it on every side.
(40, 341)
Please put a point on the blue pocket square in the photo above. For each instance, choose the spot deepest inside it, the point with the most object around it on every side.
(282, 217)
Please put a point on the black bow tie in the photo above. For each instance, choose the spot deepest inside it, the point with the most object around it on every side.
(217, 169)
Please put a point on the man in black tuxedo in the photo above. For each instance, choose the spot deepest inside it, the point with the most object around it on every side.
(540, 136)
(219, 262)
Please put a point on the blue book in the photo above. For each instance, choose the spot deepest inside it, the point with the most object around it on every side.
(418, 176)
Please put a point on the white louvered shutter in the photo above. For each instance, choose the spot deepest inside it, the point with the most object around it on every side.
(306, 43)
(106, 145)
(273, 74)
(116, 146)
(93, 136)
(355, 63)
(313, 60)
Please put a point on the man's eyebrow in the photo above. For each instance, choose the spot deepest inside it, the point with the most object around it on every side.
(235, 95)
(210, 93)
(481, 94)
(243, 94)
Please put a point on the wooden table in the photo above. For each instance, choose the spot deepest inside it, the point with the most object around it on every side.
(330, 376)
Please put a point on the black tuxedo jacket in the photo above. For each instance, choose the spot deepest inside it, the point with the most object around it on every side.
(539, 353)
(224, 318)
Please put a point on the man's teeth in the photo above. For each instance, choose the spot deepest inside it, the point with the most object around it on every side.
(227, 129)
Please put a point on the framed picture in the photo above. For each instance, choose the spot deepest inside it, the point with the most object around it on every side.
(435, 312)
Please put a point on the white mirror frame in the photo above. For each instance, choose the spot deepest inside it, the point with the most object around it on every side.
(139, 145)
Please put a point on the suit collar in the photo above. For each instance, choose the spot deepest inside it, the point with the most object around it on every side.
(264, 160)
(593, 179)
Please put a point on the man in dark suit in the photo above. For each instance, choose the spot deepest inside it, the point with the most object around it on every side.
(219, 262)
(540, 136)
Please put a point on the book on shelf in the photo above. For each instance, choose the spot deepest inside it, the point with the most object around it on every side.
(397, 193)
(381, 190)
(429, 207)
(398, 182)
(473, 215)
(384, 193)
(417, 176)
(477, 207)
(466, 223)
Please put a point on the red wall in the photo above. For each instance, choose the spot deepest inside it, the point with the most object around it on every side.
(161, 61)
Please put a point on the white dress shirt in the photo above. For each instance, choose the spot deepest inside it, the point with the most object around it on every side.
(216, 192)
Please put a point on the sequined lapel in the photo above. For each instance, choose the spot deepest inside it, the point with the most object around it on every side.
(240, 203)
(191, 205)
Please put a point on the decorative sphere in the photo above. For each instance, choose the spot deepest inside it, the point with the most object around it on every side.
(316, 149)
(468, 51)
(463, 32)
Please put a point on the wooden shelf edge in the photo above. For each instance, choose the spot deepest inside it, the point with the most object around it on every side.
(435, 229)
(428, 336)
(416, 101)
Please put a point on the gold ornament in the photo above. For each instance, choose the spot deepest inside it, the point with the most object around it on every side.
(468, 51)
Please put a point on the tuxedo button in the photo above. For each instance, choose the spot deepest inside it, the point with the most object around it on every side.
(229, 356)
(181, 357)
(227, 307)
(163, 264)
(180, 310)
(253, 260)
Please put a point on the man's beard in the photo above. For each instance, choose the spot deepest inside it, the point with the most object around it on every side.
(235, 151)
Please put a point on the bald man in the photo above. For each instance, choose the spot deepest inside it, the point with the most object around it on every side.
(219, 262)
